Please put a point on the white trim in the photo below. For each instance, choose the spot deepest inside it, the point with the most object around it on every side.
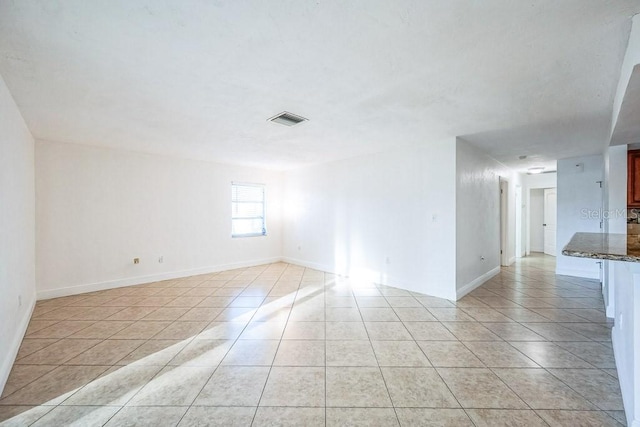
(129, 281)
(388, 280)
(512, 260)
(586, 274)
(14, 347)
(314, 265)
(477, 282)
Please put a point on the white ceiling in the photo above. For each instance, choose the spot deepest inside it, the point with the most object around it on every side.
(199, 79)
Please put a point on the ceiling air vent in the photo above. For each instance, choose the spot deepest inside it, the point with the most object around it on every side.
(287, 119)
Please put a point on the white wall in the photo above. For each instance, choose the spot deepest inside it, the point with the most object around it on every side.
(536, 206)
(478, 216)
(99, 208)
(387, 217)
(579, 210)
(17, 228)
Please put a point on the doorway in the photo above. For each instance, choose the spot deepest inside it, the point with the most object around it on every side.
(504, 222)
(542, 220)
(550, 226)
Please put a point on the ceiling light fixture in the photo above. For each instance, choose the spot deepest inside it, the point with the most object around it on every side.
(535, 170)
(287, 119)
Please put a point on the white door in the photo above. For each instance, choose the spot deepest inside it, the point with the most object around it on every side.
(550, 208)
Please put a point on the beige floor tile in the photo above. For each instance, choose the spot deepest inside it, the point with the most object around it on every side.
(295, 386)
(150, 416)
(414, 314)
(424, 417)
(499, 355)
(77, 416)
(252, 353)
(107, 352)
(350, 353)
(343, 314)
(304, 331)
(234, 416)
(550, 355)
(173, 386)
(594, 353)
(234, 386)
(361, 417)
(374, 314)
(450, 314)
(180, 331)
(417, 387)
(594, 385)
(356, 387)
(593, 331)
(300, 353)
(222, 330)
(102, 329)
(293, 417)
(541, 390)
(236, 314)
(470, 331)
(505, 418)
(54, 387)
(166, 313)
(96, 313)
(114, 387)
(20, 416)
(487, 314)
(216, 301)
(61, 329)
(153, 352)
(21, 375)
(346, 331)
(336, 301)
(58, 352)
(555, 332)
(36, 325)
(577, 418)
(202, 353)
(387, 331)
(480, 388)
(31, 345)
(140, 330)
(429, 331)
(263, 331)
(399, 353)
(522, 315)
(449, 354)
(513, 332)
(199, 314)
(62, 313)
(131, 313)
(434, 302)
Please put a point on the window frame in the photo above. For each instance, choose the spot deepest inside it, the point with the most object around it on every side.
(235, 184)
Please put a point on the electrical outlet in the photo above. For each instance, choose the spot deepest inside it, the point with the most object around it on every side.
(161, 259)
(19, 300)
(136, 260)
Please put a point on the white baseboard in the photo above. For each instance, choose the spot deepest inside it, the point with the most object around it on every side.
(477, 282)
(388, 280)
(12, 352)
(130, 281)
(314, 265)
(512, 260)
(586, 274)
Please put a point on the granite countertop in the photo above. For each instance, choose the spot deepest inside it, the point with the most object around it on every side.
(615, 247)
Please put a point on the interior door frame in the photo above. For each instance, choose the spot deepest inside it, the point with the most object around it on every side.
(504, 222)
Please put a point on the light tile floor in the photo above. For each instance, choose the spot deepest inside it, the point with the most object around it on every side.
(284, 345)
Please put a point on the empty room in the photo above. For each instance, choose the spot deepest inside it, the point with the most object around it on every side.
(319, 213)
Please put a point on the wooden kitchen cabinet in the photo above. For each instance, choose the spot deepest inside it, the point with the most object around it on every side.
(633, 179)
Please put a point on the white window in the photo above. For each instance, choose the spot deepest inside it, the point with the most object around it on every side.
(247, 210)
